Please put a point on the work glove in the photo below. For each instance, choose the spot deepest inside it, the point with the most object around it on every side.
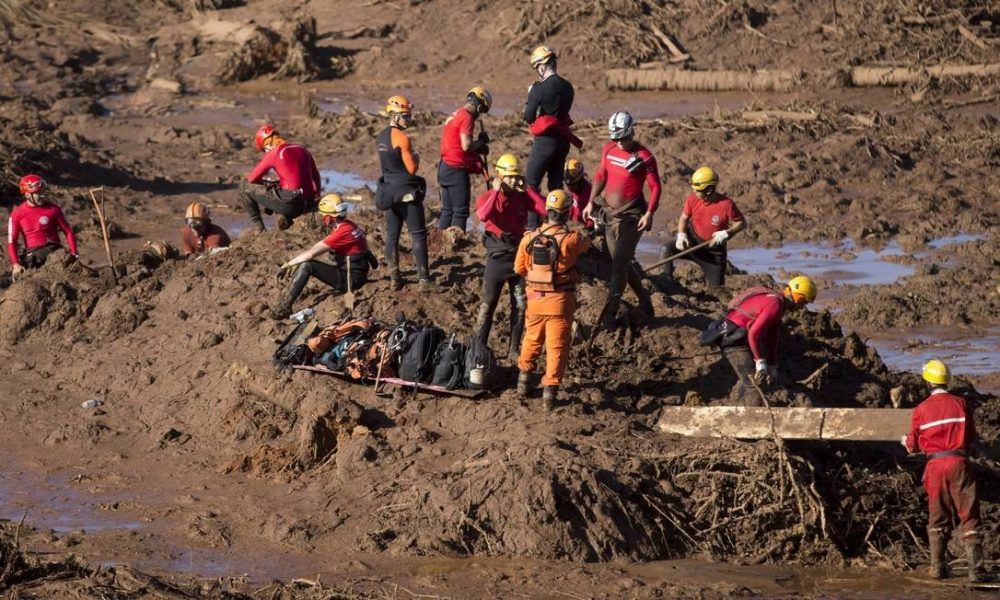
(682, 241)
(479, 147)
(283, 271)
(772, 373)
(16, 271)
(719, 238)
(902, 440)
(483, 137)
(760, 371)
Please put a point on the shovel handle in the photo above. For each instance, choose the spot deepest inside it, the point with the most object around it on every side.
(675, 256)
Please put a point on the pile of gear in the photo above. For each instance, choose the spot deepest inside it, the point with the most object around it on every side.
(367, 350)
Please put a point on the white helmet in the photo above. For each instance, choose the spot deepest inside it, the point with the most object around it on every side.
(620, 125)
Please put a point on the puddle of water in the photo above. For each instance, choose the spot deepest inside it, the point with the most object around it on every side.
(343, 181)
(965, 356)
(962, 238)
(864, 266)
(51, 503)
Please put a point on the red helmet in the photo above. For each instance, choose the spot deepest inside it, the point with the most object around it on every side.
(32, 184)
(263, 134)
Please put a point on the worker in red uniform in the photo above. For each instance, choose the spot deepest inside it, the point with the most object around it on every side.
(708, 216)
(546, 112)
(504, 211)
(757, 313)
(625, 166)
(462, 157)
(546, 258)
(199, 232)
(297, 186)
(942, 428)
(39, 221)
(579, 188)
(400, 193)
(346, 242)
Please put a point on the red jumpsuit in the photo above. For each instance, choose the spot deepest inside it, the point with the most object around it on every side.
(295, 167)
(40, 226)
(760, 315)
(942, 427)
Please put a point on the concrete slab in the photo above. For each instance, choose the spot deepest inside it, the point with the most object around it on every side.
(857, 424)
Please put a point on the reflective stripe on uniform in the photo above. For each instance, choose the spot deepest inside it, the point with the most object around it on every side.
(942, 422)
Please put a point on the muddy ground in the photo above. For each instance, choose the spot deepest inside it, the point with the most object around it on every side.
(204, 462)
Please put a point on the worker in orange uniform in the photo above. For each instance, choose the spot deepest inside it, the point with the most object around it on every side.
(942, 427)
(400, 192)
(461, 157)
(546, 258)
(199, 232)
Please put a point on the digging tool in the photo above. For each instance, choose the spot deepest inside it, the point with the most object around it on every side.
(349, 296)
(104, 230)
(660, 263)
(486, 168)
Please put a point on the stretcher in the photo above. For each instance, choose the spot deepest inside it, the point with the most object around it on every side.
(395, 381)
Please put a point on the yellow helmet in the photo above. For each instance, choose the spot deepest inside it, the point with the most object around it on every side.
(573, 171)
(936, 372)
(508, 166)
(482, 97)
(542, 55)
(558, 201)
(197, 210)
(703, 178)
(801, 290)
(333, 205)
(398, 105)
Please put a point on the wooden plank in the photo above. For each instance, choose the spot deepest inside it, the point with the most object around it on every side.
(857, 424)
(423, 387)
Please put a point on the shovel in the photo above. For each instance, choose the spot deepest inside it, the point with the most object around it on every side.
(675, 256)
(349, 296)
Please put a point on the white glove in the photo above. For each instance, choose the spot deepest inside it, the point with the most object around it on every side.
(902, 441)
(760, 371)
(682, 241)
(719, 238)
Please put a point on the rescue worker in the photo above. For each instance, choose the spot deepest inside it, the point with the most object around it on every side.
(39, 221)
(503, 211)
(400, 193)
(199, 232)
(346, 242)
(625, 165)
(546, 258)
(942, 427)
(547, 113)
(579, 187)
(708, 216)
(297, 185)
(462, 156)
(758, 311)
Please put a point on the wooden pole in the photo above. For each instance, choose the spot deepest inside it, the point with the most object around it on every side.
(675, 256)
(99, 207)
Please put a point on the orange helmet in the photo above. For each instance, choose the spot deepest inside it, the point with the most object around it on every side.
(398, 105)
(265, 133)
(197, 210)
(32, 184)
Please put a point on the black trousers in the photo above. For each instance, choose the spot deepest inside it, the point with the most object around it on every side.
(411, 213)
(498, 272)
(283, 202)
(33, 258)
(741, 362)
(548, 157)
(456, 193)
(711, 260)
(334, 276)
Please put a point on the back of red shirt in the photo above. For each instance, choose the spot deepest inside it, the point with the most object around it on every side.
(459, 122)
(941, 422)
(761, 316)
(346, 239)
(40, 225)
(295, 167)
(709, 217)
(624, 184)
(215, 237)
(502, 212)
(581, 198)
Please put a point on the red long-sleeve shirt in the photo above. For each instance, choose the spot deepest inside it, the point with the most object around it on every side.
(761, 316)
(505, 212)
(346, 239)
(624, 185)
(192, 241)
(39, 225)
(295, 167)
(941, 422)
(581, 198)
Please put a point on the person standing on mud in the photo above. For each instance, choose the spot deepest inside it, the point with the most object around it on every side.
(942, 427)
(579, 188)
(708, 216)
(504, 211)
(546, 258)
(199, 232)
(348, 245)
(547, 113)
(400, 192)
(296, 188)
(462, 156)
(750, 343)
(39, 221)
(625, 166)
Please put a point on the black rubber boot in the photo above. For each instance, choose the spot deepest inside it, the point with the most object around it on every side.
(938, 546)
(282, 310)
(609, 320)
(549, 396)
(283, 222)
(484, 323)
(977, 572)
(741, 362)
(516, 334)
(424, 278)
(523, 384)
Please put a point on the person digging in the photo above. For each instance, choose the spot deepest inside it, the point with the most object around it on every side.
(462, 157)
(39, 222)
(297, 185)
(546, 258)
(708, 216)
(346, 242)
(199, 232)
(942, 427)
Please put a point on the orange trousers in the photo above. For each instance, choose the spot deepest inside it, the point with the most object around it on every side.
(555, 333)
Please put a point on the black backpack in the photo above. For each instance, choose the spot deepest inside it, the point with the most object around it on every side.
(479, 365)
(416, 363)
(449, 364)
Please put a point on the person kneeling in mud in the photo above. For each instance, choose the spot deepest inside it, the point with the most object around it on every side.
(752, 327)
(296, 187)
(348, 245)
(199, 233)
(39, 221)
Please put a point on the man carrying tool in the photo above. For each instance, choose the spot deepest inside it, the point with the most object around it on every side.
(199, 232)
(546, 258)
(579, 188)
(400, 193)
(39, 221)
(461, 155)
(503, 211)
(625, 166)
(296, 188)
(942, 427)
(349, 247)
(755, 317)
(708, 216)
(547, 113)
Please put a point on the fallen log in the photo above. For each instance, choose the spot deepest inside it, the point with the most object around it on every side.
(891, 76)
(700, 81)
(779, 115)
(853, 424)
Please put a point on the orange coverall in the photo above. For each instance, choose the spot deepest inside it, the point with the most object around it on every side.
(549, 315)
